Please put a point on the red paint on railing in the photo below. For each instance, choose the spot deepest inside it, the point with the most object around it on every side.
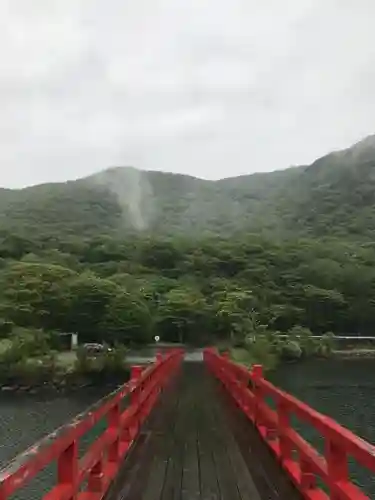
(102, 460)
(303, 463)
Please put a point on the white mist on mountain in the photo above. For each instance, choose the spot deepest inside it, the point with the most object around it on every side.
(133, 193)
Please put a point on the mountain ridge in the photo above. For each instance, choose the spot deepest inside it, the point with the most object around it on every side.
(335, 195)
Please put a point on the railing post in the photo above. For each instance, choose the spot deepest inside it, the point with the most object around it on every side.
(135, 398)
(95, 481)
(257, 371)
(243, 387)
(224, 369)
(337, 466)
(136, 372)
(283, 425)
(135, 375)
(114, 421)
(307, 478)
(301, 461)
(246, 401)
(67, 468)
(100, 462)
(256, 375)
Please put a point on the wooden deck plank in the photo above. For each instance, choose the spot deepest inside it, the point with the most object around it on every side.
(220, 446)
(245, 485)
(209, 485)
(173, 476)
(190, 489)
(268, 478)
(161, 450)
(132, 487)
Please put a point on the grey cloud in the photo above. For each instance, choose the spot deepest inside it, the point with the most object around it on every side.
(214, 88)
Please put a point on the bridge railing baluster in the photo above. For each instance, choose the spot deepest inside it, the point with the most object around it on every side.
(337, 466)
(301, 461)
(104, 456)
(114, 420)
(67, 467)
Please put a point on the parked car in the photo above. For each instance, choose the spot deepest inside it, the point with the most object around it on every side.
(95, 348)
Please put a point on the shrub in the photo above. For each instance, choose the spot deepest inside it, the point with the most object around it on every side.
(326, 344)
(84, 362)
(291, 350)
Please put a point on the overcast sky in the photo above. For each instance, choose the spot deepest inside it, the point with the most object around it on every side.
(213, 88)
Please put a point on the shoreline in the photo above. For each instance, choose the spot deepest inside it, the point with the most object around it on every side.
(353, 353)
(60, 389)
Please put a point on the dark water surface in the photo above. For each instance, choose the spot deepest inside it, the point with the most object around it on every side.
(342, 389)
(25, 419)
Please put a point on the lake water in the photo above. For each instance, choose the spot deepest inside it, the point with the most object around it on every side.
(25, 419)
(342, 389)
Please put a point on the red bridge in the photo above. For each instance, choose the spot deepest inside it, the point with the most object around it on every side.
(193, 430)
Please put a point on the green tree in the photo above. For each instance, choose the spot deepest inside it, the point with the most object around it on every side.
(183, 315)
(127, 318)
(234, 309)
(36, 295)
(90, 298)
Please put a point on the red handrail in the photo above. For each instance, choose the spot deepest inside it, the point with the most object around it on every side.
(303, 463)
(102, 460)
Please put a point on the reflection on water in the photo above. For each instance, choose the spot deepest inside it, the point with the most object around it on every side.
(342, 389)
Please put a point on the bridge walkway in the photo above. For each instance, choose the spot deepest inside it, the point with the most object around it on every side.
(197, 445)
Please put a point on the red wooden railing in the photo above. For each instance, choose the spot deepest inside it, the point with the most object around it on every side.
(300, 459)
(99, 465)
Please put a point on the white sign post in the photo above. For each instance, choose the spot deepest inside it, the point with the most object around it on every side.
(74, 341)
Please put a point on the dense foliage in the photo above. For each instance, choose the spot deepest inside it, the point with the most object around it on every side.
(191, 291)
(28, 360)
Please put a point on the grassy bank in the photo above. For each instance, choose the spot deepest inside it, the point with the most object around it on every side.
(354, 352)
(269, 349)
(29, 363)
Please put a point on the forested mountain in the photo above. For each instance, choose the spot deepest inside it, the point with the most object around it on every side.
(333, 196)
(123, 255)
